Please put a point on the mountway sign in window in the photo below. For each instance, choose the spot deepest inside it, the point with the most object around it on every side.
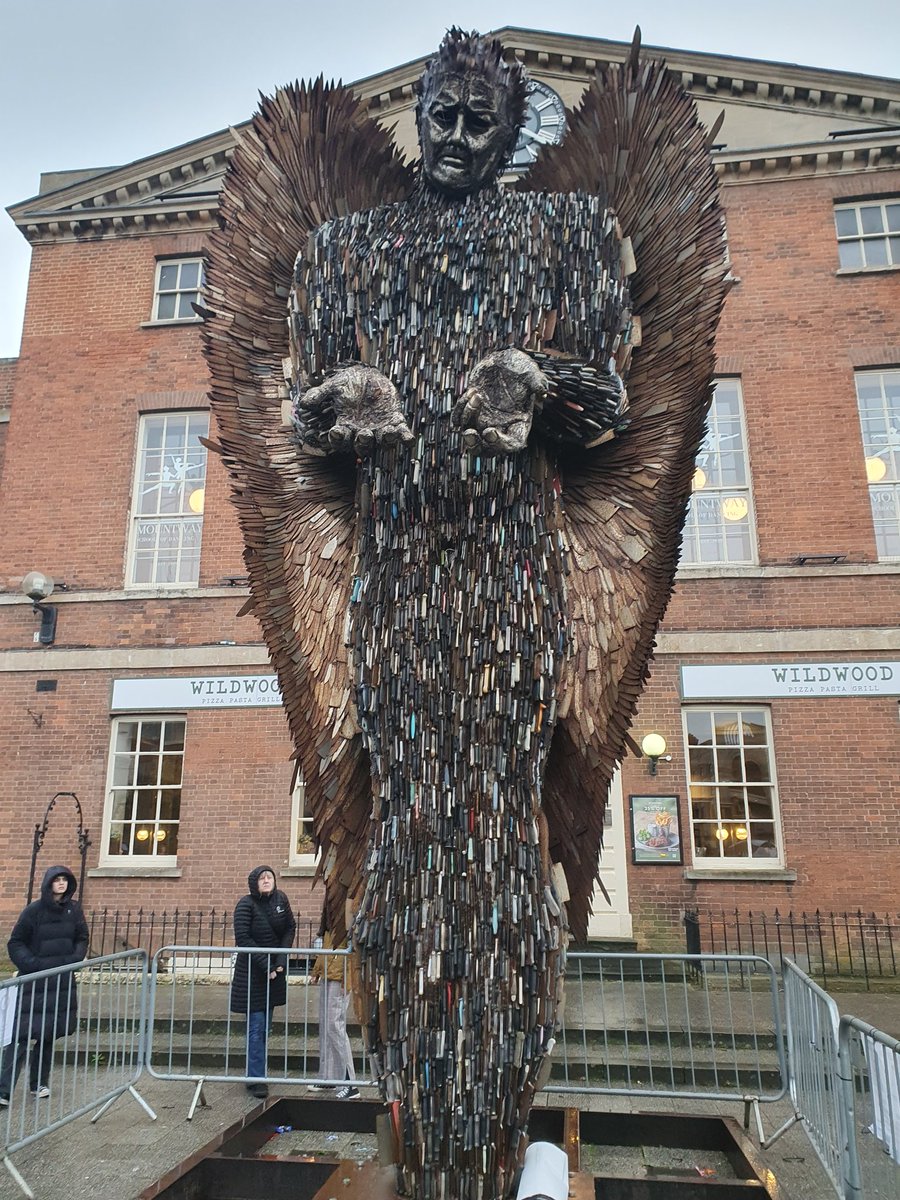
(194, 691)
(767, 680)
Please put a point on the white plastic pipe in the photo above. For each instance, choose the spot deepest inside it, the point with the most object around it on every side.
(545, 1173)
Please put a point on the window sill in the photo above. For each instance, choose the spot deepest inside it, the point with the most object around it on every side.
(868, 270)
(757, 875)
(299, 871)
(171, 321)
(134, 871)
(161, 589)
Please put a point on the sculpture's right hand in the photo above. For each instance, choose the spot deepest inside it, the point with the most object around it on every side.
(366, 410)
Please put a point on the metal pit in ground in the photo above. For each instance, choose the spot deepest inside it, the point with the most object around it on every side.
(324, 1149)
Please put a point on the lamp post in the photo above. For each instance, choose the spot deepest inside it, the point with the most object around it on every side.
(653, 748)
(39, 587)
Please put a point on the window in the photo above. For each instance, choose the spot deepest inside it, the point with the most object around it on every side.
(878, 398)
(733, 796)
(720, 526)
(167, 510)
(144, 789)
(303, 852)
(179, 284)
(868, 234)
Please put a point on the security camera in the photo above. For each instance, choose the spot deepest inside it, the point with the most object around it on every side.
(37, 586)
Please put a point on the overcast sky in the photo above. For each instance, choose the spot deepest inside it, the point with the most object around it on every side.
(94, 83)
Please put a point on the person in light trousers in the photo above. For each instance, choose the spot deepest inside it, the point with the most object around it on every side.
(335, 1052)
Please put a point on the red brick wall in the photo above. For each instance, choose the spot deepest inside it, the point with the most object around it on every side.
(236, 804)
(835, 764)
(7, 380)
(85, 364)
(793, 330)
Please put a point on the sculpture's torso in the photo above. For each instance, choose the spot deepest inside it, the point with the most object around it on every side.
(460, 635)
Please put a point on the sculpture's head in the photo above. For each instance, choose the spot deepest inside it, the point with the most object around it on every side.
(471, 104)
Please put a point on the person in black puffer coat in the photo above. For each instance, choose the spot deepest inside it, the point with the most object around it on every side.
(50, 932)
(261, 919)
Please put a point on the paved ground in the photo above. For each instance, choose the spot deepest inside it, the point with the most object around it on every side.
(124, 1152)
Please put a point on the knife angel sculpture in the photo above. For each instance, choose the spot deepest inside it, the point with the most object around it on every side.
(462, 531)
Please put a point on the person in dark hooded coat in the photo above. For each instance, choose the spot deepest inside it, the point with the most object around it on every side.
(50, 932)
(263, 919)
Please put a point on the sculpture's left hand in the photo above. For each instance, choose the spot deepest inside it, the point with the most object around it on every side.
(495, 410)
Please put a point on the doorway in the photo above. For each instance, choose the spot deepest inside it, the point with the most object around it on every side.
(612, 919)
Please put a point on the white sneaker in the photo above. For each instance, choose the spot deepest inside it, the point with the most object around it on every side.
(347, 1092)
(41, 1093)
(321, 1087)
(4, 1101)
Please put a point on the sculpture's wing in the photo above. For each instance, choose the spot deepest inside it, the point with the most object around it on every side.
(311, 154)
(635, 140)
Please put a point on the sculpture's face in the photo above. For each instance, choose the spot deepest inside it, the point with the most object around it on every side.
(465, 132)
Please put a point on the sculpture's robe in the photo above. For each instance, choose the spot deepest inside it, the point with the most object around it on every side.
(460, 635)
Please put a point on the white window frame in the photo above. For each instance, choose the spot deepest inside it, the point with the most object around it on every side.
(890, 237)
(136, 518)
(296, 858)
(725, 863)
(743, 492)
(887, 453)
(154, 860)
(178, 291)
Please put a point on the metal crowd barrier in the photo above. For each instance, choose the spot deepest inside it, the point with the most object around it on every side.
(84, 1071)
(194, 1036)
(870, 1069)
(695, 1027)
(814, 1071)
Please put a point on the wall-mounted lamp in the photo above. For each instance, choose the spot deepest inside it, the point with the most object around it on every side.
(38, 587)
(653, 748)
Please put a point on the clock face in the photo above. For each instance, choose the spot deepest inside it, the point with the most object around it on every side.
(545, 124)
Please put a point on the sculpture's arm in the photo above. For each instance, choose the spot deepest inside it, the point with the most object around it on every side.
(564, 380)
(568, 400)
(586, 403)
(338, 403)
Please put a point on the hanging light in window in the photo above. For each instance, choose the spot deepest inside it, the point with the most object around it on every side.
(196, 499)
(142, 835)
(735, 508)
(722, 833)
(160, 835)
(876, 469)
(699, 480)
(740, 833)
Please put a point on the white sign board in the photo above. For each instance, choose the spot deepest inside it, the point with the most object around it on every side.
(764, 681)
(195, 691)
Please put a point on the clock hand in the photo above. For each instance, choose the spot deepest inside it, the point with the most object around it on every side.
(535, 135)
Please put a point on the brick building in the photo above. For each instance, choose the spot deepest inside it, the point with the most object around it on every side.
(777, 672)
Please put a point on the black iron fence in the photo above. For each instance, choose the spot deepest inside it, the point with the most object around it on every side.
(827, 945)
(114, 929)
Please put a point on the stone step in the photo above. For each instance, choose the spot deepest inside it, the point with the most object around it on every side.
(594, 1036)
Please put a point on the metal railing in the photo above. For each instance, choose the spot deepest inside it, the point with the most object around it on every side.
(814, 1073)
(194, 1036)
(870, 1069)
(114, 929)
(79, 1045)
(704, 1027)
(827, 945)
